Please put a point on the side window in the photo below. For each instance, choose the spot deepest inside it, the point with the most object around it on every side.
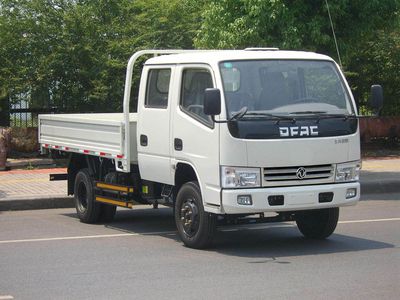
(194, 84)
(157, 88)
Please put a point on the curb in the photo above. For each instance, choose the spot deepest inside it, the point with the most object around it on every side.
(37, 203)
(380, 187)
(35, 163)
(367, 188)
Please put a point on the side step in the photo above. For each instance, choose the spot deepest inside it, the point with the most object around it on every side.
(114, 202)
(114, 187)
(114, 194)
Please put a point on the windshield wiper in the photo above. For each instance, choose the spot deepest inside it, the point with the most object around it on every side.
(242, 113)
(324, 115)
(238, 115)
(272, 116)
(308, 112)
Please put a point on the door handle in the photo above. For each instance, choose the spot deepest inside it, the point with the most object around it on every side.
(178, 144)
(143, 140)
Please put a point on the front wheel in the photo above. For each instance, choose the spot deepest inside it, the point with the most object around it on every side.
(319, 223)
(195, 226)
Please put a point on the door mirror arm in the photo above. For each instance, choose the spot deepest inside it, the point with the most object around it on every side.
(218, 122)
(212, 106)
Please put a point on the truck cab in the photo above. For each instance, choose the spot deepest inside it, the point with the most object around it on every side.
(298, 135)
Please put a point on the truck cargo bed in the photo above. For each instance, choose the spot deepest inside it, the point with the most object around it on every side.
(93, 134)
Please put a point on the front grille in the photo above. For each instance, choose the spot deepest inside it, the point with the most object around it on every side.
(297, 173)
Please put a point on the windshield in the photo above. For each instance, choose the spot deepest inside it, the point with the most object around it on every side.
(284, 87)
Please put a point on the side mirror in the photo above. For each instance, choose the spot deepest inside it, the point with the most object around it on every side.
(376, 101)
(212, 102)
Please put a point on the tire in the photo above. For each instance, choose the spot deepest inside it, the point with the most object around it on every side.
(196, 227)
(87, 209)
(318, 224)
(107, 211)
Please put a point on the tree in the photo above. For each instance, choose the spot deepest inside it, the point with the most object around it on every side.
(377, 61)
(361, 28)
(292, 24)
(73, 54)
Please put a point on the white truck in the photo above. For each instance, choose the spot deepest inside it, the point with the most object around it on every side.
(222, 137)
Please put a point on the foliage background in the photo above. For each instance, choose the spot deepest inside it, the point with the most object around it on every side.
(72, 54)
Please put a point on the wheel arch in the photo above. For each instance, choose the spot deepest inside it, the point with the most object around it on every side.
(98, 167)
(185, 172)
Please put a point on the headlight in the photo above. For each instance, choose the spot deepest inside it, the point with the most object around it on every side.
(232, 177)
(348, 171)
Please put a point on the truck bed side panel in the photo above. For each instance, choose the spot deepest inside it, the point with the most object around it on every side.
(97, 133)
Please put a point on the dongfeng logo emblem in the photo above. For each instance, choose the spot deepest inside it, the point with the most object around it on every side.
(301, 173)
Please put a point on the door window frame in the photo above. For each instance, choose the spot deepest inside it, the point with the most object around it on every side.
(148, 71)
(203, 67)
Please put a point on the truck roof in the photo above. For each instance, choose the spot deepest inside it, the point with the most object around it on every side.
(216, 56)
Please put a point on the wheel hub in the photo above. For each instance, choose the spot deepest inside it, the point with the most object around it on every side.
(190, 217)
(82, 196)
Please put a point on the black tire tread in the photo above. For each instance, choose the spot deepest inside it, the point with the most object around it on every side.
(107, 211)
(318, 224)
(205, 235)
(92, 213)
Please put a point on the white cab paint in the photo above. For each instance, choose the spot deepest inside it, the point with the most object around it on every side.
(200, 143)
(154, 123)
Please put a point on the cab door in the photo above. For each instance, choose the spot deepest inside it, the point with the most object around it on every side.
(195, 137)
(153, 128)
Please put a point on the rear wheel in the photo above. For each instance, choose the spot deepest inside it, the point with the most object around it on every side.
(107, 211)
(87, 209)
(319, 223)
(195, 226)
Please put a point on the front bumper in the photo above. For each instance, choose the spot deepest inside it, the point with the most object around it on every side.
(295, 198)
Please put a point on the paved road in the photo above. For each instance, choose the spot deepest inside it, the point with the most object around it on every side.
(49, 254)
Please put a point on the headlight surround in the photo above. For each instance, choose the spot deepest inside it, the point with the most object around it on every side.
(237, 177)
(348, 171)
